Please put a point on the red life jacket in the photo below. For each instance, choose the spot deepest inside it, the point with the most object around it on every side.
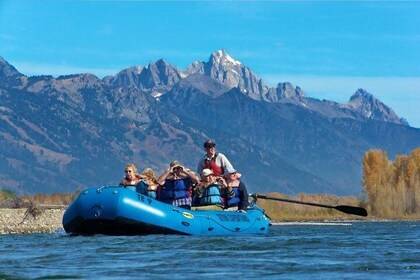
(211, 164)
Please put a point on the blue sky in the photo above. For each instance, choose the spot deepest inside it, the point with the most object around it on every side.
(328, 48)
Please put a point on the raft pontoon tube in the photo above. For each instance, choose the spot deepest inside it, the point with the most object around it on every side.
(116, 210)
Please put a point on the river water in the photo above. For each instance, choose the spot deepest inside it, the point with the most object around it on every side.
(345, 250)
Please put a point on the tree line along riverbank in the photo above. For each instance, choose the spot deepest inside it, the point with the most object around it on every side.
(391, 191)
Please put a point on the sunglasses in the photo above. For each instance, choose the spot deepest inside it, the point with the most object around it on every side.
(128, 171)
(210, 146)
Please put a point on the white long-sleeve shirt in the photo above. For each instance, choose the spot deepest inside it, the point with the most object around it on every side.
(220, 160)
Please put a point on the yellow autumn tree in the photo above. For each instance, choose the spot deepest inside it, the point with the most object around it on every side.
(399, 195)
(392, 188)
(377, 176)
(412, 182)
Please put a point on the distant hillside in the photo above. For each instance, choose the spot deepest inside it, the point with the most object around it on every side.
(74, 131)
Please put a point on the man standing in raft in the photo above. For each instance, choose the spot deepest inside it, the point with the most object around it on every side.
(216, 162)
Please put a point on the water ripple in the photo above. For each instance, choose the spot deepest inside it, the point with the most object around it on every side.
(361, 250)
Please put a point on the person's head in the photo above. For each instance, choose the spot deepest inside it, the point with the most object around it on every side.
(206, 174)
(150, 174)
(210, 146)
(231, 175)
(130, 171)
(175, 166)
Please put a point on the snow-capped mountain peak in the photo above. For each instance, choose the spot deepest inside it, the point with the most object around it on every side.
(222, 57)
(231, 73)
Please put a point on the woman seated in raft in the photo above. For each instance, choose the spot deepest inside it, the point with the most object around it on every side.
(131, 177)
(237, 198)
(148, 184)
(144, 183)
(211, 190)
(176, 185)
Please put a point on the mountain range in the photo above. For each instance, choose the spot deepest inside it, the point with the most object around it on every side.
(74, 131)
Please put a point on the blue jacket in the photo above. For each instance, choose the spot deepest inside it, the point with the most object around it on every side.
(240, 198)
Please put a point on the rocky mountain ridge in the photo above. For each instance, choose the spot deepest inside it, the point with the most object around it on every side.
(59, 134)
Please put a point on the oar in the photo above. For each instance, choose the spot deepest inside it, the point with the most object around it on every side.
(359, 211)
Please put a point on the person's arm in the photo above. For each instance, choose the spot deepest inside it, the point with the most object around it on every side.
(200, 167)
(161, 180)
(221, 182)
(199, 190)
(142, 177)
(225, 163)
(190, 174)
(243, 197)
(123, 182)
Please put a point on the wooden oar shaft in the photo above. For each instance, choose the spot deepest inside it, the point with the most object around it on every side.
(359, 211)
(294, 201)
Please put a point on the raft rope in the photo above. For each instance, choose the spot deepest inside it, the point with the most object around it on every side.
(217, 222)
(101, 188)
(210, 218)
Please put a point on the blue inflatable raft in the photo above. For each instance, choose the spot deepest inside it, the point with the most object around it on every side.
(123, 211)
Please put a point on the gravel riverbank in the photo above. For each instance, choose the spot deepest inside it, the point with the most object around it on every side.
(25, 220)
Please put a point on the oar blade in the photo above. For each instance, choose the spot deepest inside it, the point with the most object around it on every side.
(359, 211)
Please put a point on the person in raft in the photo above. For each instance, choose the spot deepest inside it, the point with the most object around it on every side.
(131, 177)
(216, 162)
(176, 185)
(237, 198)
(148, 184)
(211, 190)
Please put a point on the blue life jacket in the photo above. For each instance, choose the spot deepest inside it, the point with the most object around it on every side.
(175, 189)
(211, 196)
(234, 201)
(142, 187)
